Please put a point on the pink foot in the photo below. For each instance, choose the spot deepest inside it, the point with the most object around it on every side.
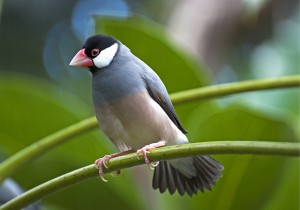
(102, 162)
(148, 147)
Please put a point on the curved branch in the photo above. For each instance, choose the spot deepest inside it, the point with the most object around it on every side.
(24, 156)
(216, 91)
(163, 153)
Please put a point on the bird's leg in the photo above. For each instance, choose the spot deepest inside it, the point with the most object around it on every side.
(148, 147)
(99, 163)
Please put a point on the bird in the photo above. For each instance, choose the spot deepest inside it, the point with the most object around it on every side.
(135, 112)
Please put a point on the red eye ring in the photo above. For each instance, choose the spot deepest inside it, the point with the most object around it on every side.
(95, 52)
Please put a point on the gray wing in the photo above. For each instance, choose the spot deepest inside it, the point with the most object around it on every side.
(158, 92)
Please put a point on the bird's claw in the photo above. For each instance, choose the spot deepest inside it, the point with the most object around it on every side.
(144, 152)
(146, 149)
(99, 163)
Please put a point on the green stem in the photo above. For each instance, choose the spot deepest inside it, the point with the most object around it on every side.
(24, 156)
(21, 158)
(216, 91)
(163, 153)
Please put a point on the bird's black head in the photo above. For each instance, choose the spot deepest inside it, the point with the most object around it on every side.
(97, 52)
(95, 44)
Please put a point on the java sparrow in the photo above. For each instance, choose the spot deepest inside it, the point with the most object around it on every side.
(134, 110)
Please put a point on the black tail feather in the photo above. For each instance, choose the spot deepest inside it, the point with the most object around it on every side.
(170, 178)
(166, 176)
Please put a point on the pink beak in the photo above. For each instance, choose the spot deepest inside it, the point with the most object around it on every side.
(80, 59)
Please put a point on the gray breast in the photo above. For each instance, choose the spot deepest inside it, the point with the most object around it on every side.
(135, 121)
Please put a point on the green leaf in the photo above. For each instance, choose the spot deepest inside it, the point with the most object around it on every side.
(32, 109)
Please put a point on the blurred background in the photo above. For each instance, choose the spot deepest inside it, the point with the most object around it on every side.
(189, 44)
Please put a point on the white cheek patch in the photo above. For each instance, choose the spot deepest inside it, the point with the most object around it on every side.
(106, 56)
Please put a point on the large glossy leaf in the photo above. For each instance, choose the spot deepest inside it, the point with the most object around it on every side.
(31, 109)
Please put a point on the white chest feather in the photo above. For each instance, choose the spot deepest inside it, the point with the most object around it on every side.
(135, 121)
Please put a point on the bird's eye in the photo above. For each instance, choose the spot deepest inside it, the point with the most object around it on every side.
(95, 52)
